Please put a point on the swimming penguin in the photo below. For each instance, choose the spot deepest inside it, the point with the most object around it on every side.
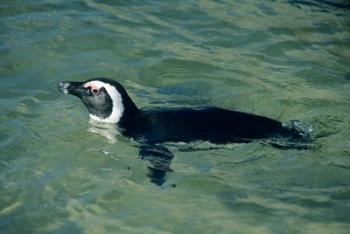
(107, 101)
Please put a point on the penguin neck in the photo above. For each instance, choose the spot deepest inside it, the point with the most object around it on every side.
(131, 112)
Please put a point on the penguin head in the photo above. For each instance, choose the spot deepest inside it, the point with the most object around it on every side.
(105, 99)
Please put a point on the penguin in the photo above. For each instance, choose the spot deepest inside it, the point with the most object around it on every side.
(107, 101)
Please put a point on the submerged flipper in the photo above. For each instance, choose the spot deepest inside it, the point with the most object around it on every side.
(160, 160)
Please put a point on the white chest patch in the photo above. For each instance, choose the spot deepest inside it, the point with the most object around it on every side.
(117, 104)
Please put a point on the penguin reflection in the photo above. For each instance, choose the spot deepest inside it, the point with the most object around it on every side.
(158, 156)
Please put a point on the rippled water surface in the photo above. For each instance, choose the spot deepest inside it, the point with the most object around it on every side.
(282, 59)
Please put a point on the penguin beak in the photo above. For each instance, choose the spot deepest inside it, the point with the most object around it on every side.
(73, 88)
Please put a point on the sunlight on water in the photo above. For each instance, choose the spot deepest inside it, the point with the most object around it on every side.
(61, 173)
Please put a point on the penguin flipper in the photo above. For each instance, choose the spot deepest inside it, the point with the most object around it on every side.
(160, 159)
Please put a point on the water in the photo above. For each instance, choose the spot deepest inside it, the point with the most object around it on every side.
(283, 59)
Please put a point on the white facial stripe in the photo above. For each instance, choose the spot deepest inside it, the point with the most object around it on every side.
(118, 108)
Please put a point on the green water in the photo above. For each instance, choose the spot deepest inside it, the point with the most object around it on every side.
(282, 59)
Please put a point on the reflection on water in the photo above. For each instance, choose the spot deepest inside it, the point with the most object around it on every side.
(283, 59)
(158, 156)
(107, 130)
(160, 159)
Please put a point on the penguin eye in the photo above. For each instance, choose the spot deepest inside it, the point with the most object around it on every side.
(95, 91)
(92, 89)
